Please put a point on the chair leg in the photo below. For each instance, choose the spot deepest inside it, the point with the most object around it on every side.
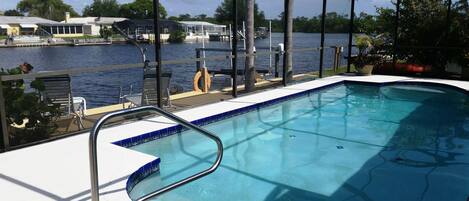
(169, 98)
(79, 121)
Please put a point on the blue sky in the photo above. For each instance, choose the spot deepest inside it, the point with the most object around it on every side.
(271, 7)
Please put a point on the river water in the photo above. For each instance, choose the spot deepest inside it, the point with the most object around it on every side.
(102, 88)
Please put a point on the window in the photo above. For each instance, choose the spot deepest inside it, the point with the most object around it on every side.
(27, 31)
(55, 30)
(61, 30)
(67, 29)
(79, 29)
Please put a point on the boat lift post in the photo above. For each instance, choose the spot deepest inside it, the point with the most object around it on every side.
(270, 44)
(323, 31)
(156, 31)
(234, 48)
(350, 35)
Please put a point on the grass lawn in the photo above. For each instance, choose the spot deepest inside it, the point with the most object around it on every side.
(331, 72)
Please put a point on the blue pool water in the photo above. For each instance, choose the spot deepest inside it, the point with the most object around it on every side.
(350, 142)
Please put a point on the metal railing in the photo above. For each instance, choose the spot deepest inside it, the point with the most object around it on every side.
(93, 150)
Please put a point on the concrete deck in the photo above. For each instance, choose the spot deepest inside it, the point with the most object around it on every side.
(59, 170)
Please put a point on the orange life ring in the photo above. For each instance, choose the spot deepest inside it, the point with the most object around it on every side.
(207, 80)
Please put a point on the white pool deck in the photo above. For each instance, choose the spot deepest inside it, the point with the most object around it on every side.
(59, 170)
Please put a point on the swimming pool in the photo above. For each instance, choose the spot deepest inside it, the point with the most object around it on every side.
(349, 142)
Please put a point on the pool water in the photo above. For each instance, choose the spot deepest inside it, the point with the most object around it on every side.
(350, 142)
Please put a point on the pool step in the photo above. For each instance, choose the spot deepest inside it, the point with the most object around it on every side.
(142, 173)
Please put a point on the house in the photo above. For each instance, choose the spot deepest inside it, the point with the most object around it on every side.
(93, 25)
(196, 30)
(19, 25)
(138, 27)
(202, 28)
(62, 30)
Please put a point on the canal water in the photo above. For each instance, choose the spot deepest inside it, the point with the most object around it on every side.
(102, 88)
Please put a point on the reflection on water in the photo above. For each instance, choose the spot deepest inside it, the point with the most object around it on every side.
(103, 88)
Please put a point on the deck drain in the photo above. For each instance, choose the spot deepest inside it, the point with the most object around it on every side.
(292, 136)
(340, 147)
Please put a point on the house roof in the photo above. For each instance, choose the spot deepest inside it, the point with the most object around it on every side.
(144, 22)
(24, 20)
(95, 20)
(61, 24)
(200, 23)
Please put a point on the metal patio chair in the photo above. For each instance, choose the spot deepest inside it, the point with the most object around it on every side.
(150, 94)
(58, 90)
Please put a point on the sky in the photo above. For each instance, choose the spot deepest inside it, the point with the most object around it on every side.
(272, 8)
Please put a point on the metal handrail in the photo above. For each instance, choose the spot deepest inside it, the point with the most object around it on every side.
(93, 150)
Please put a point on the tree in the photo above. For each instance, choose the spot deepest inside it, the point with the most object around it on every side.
(102, 8)
(50, 9)
(105, 33)
(177, 36)
(366, 24)
(184, 17)
(12, 13)
(201, 17)
(423, 24)
(385, 20)
(141, 9)
(249, 69)
(224, 13)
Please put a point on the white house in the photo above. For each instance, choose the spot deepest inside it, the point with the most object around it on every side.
(93, 24)
(202, 28)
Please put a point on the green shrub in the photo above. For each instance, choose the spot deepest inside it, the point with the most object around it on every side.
(105, 33)
(177, 37)
(21, 106)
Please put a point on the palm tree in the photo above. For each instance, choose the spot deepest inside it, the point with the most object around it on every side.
(250, 71)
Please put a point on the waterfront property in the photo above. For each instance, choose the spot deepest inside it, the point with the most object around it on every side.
(143, 29)
(93, 25)
(194, 29)
(18, 25)
(64, 30)
(138, 27)
(202, 28)
(331, 138)
(356, 136)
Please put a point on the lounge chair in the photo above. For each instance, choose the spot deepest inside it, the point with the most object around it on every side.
(58, 90)
(150, 94)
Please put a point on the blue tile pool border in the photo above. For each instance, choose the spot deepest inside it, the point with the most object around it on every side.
(142, 173)
(154, 166)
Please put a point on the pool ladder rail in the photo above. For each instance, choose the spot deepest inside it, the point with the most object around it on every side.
(93, 150)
